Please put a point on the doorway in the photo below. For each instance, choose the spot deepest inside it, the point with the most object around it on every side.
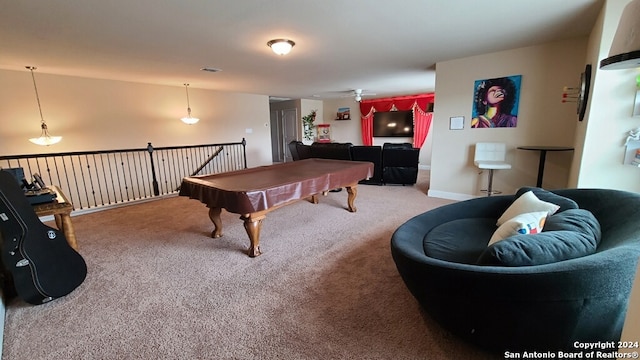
(284, 129)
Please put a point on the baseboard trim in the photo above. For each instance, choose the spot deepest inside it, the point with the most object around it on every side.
(449, 195)
(112, 206)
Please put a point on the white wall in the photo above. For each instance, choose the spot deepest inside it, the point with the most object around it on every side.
(94, 114)
(343, 130)
(542, 119)
(601, 137)
(603, 133)
(426, 152)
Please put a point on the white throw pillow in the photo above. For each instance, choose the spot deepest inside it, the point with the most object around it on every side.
(528, 223)
(526, 203)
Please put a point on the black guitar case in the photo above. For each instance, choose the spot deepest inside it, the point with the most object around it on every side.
(40, 262)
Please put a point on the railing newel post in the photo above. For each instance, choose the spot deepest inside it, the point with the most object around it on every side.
(156, 189)
(244, 151)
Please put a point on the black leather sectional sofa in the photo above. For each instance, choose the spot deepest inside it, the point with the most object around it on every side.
(394, 163)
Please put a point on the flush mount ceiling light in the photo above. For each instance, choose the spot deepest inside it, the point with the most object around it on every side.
(625, 48)
(188, 119)
(281, 46)
(45, 138)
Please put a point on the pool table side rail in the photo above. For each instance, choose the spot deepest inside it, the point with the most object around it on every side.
(260, 188)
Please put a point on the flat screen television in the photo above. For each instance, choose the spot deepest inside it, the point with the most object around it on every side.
(393, 124)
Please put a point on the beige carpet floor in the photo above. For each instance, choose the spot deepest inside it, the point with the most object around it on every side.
(158, 287)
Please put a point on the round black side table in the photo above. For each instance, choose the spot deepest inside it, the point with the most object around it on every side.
(543, 155)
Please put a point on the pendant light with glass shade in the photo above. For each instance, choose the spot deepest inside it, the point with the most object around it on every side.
(189, 119)
(45, 138)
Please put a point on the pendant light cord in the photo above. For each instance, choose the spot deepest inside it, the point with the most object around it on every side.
(31, 68)
(186, 87)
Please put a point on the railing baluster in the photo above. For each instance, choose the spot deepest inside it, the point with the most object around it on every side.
(95, 167)
(141, 192)
(202, 154)
(218, 161)
(181, 162)
(188, 161)
(180, 165)
(112, 182)
(164, 172)
(30, 171)
(173, 166)
(117, 167)
(124, 179)
(48, 172)
(99, 178)
(133, 189)
(37, 161)
(84, 181)
(66, 175)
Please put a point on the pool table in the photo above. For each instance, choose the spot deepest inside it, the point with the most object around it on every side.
(254, 192)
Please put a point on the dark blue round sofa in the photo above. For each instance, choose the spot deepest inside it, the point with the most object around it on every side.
(525, 308)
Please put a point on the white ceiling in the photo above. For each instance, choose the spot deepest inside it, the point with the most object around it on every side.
(385, 47)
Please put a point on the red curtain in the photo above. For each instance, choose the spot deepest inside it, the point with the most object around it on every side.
(421, 125)
(418, 103)
(367, 128)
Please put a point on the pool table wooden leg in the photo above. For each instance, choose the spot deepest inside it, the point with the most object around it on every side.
(253, 225)
(214, 215)
(352, 190)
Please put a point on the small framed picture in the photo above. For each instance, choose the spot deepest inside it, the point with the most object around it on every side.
(344, 113)
(456, 123)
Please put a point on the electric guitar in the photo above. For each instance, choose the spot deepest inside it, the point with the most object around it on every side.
(36, 257)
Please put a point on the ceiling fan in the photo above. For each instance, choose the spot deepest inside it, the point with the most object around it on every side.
(356, 93)
(359, 93)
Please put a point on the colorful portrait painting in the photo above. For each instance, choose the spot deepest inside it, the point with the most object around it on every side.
(495, 102)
